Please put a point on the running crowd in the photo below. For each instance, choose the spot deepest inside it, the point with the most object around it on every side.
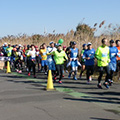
(60, 59)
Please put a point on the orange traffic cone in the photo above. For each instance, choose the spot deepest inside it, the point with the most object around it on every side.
(8, 67)
(50, 82)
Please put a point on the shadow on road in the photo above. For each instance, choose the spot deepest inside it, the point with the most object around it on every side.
(94, 99)
(94, 118)
(11, 76)
(105, 93)
(91, 87)
(29, 81)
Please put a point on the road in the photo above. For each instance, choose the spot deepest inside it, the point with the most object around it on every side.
(24, 98)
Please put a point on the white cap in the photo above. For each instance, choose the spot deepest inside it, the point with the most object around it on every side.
(89, 43)
(5, 43)
(20, 45)
(51, 42)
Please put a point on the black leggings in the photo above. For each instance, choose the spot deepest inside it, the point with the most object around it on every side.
(89, 72)
(18, 64)
(32, 65)
(38, 62)
(27, 62)
(111, 74)
(59, 69)
(101, 71)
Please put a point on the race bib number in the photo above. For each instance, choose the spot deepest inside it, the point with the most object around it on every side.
(104, 54)
(44, 53)
(118, 54)
(112, 54)
(74, 54)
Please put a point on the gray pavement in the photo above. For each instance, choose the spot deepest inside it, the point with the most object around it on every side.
(23, 98)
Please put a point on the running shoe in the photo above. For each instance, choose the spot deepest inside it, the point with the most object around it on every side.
(45, 73)
(110, 82)
(99, 86)
(60, 82)
(29, 74)
(74, 78)
(106, 85)
(54, 79)
(20, 71)
(90, 78)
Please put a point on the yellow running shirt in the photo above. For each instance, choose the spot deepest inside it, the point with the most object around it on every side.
(102, 55)
(43, 53)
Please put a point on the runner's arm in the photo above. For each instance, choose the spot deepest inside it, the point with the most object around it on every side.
(97, 55)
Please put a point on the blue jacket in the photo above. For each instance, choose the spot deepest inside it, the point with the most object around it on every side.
(91, 54)
(113, 54)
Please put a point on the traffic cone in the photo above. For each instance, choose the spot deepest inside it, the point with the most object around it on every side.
(8, 67)
(50, 82)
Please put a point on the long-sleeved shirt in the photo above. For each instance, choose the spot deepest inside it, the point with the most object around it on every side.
(91, 54)
(103, 56)
(31, 54)
(113, 54)
(59, 56)
(50, 50)
(43, 53)
(9, 51)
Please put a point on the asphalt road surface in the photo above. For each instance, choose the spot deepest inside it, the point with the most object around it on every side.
(24, 98)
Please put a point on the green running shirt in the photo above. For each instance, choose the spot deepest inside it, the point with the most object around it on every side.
(59, 57)
(82, 57)
(102, 55)
(9, 51)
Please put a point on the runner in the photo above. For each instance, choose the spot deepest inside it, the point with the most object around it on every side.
(43, 53)
(82, 60)
(118, 58)
(37, 58)
(26, 52)
(18, 59)
(32, 60)
(68, 48)
(103, 59)
(13, 58)
(59, 57)
(89, 56)
(74, 52)
(113, 63)
(17, 46)
(50, 59)
(24, 56)
(5, 46)
(1, 51)
(9, 52)
(65, 64)
(15, 53)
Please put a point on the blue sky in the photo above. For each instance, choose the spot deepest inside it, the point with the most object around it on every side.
(33, 16)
